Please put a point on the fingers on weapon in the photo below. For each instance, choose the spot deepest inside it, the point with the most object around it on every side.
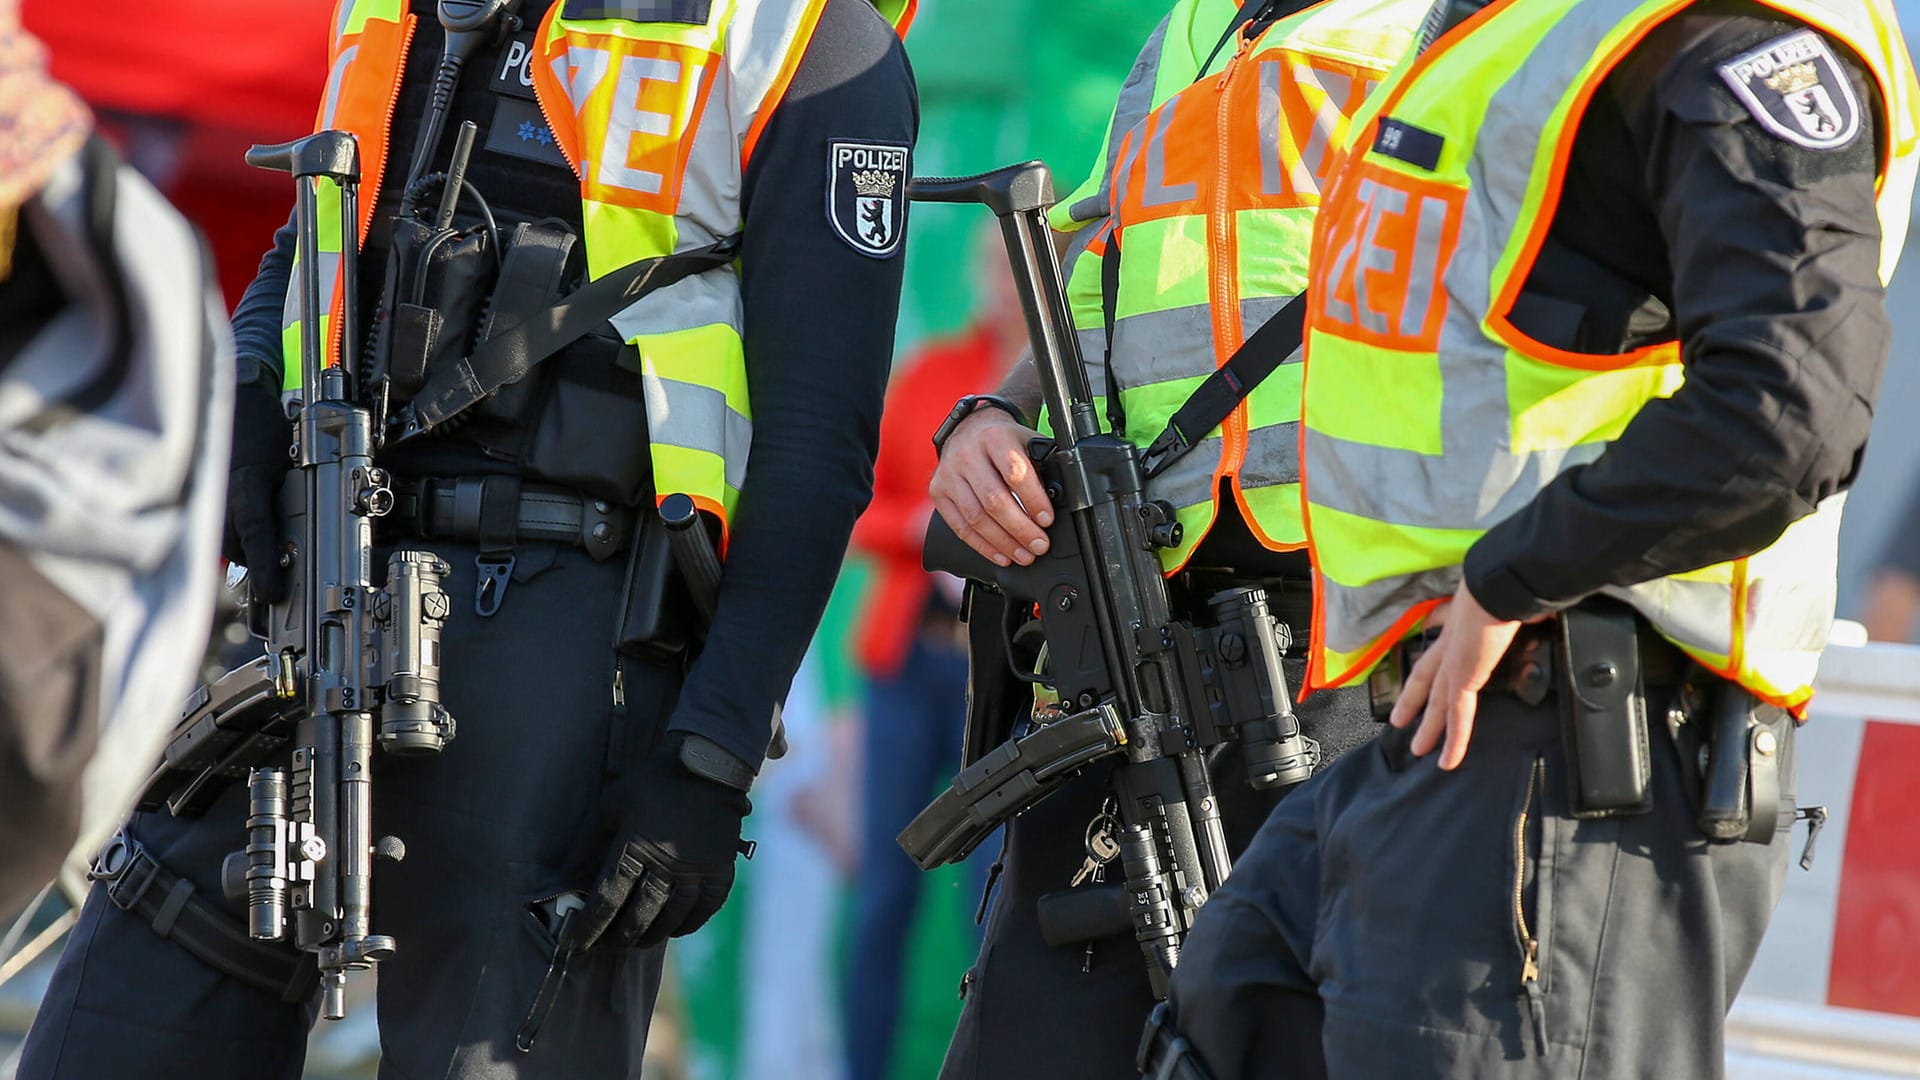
(976, 524)
(1018, 471)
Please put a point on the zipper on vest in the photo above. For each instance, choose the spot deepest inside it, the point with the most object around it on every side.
(1529, 944)
(540, 100)
(1225, 270)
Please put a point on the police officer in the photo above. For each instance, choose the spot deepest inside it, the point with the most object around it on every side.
(1596, 328)
(1199, 215)
(589, 789)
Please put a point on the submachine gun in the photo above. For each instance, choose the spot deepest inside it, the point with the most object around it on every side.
(1161, 694)
(348, 666)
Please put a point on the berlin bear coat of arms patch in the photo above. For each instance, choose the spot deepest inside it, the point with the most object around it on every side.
(867, 195)
(1796, 88)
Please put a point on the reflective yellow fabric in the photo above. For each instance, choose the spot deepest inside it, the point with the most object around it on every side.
(1209, 190)
(1429, 417)
(657, 121)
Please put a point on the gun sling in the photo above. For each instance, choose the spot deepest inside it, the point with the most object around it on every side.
(1259, 356)
(137, 884)
(509, 354)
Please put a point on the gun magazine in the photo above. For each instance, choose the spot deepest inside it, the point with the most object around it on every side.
(1007, 781)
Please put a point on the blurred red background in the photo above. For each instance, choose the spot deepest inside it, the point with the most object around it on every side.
(183, 87)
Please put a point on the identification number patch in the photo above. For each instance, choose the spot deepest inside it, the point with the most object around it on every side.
(867, 195)
(1796, 88)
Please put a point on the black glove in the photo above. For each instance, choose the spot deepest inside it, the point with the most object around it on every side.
(262, 437)
(671, 866)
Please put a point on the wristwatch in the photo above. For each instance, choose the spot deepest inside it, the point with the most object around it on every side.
(964, 408)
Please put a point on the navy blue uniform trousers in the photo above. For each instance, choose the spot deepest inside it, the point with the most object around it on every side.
(1376, 927)
(509, 814)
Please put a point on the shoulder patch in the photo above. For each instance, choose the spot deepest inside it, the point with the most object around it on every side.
(867, 195)
(1796, 88)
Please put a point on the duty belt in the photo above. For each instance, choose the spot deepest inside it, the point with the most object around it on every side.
(499, 510)
(497, 513)
(136, 883)
(1526, 669)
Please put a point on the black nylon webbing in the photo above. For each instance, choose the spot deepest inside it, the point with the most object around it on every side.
(1109, 300)
(1215, 399)
(509, 354)
(140, 886)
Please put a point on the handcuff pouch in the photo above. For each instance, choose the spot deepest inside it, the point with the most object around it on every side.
(1603, 710)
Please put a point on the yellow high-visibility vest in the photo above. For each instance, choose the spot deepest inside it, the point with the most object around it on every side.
(658, 121)
(1210, 194)
(1429, 417)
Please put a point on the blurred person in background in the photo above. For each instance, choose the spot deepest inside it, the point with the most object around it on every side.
(912, 652)
(1893, 594)
(115, 364)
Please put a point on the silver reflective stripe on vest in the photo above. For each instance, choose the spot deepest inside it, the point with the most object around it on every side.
(1164, 346)
(687, 415)
(1133, 105)
(699, 300)
(1273, 456)
(1160, 346)
(329, 276)
(1189, 482)
(339, 72)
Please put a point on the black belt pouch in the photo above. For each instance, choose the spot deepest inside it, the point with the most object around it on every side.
(1603, 710)
(656, 621)
(436, 289)
(1742, 786)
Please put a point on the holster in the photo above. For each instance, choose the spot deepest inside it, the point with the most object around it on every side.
(1603, 710)
(657, 620)
(1743, 782)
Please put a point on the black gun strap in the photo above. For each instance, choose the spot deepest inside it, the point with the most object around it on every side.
(1109, 300)
(1251, 10)
(510, 354)
(1215, 399)
(137, 884)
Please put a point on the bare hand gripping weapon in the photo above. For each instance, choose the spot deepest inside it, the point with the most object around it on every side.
(299, 724)
(1160, 693)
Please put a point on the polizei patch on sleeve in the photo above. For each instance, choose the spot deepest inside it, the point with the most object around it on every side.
(1796, 88)
(867, 195)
